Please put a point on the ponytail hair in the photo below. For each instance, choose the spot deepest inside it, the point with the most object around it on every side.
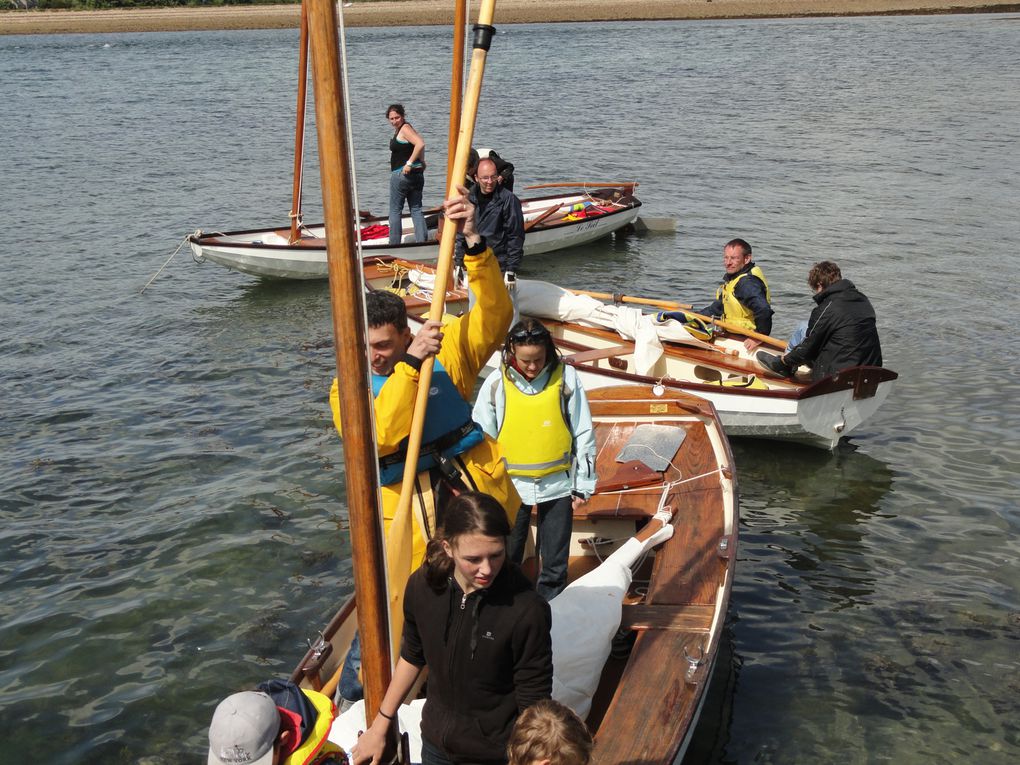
(469, 513)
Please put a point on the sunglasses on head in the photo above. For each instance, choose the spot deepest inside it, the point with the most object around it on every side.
(523, 335)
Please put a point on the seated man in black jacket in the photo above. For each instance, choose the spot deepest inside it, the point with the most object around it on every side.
(841, 331)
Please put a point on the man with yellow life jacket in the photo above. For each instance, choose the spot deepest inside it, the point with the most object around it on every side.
(276, 724)
(536, 408)
(743, 298)
(455, 455)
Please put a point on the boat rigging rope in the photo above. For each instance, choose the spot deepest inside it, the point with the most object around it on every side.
(671, 484)
(666, 489)
(184, 241)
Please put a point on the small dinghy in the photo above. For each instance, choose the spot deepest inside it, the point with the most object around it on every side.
(610, 343)
(551, 223)
(653, 450)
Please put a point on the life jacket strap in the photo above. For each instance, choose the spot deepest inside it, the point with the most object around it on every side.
(432, 448)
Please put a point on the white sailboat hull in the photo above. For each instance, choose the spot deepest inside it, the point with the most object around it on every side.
(269, 253)
(599, 341)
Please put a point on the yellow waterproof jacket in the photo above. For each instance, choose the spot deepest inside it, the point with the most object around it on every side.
(468, 342)
(733, 310)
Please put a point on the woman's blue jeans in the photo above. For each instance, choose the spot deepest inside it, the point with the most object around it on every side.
(407, 187)
(555, 518)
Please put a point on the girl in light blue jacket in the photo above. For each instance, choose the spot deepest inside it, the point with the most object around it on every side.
(535, 407)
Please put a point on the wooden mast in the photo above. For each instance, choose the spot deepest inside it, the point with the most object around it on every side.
(349, 327)
(398, 545)
(456, 82)
(299, 130)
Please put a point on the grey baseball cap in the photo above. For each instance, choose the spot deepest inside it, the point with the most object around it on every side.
(243, 729)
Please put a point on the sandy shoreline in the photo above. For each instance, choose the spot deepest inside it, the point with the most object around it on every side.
(420, 12)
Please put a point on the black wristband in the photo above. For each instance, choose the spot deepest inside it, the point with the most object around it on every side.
(413, 361)
(388, 717)
(476, 249)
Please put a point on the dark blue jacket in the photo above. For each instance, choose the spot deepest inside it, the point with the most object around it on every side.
(498, 217)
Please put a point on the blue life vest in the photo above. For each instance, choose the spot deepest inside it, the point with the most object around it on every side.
(449, 429)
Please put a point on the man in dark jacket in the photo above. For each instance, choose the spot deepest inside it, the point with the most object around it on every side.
(841, 331)
(498, 218)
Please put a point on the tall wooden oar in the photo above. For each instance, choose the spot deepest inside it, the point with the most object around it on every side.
(670, 305)
(299, 130)
(398, 543)
(456, 82)
(347, 291)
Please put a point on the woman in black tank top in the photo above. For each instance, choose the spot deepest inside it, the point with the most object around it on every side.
(407, 175)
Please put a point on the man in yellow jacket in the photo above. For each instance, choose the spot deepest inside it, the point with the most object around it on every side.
(456, 454)
(742, 299)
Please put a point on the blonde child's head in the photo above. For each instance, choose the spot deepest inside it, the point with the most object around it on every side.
(548, 733)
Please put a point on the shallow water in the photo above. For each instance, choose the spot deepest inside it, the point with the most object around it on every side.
(171, 492)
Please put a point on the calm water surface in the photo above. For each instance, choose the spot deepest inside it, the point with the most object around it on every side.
(171, 492)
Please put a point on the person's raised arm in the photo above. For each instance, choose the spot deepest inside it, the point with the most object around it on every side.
(461, 212)
(473, 338)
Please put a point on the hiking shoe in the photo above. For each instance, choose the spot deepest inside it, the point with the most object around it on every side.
(774, 363)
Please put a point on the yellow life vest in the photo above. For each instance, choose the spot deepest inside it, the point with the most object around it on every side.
(733, 310)
(317, 747)
(535, 434)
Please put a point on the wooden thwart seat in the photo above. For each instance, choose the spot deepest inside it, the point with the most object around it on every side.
(691, 618)
(595, 354)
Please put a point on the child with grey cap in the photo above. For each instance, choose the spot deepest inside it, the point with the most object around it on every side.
(244, 729)
(277, 724)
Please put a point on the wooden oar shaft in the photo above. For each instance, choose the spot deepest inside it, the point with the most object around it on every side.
(443, 268)
(349, 328)
(299, 128)
(588, 184)
(668, 304)
(539, 218)
(674, 306)
(446, 246)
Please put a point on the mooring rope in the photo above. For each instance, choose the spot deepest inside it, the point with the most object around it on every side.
(184, 241)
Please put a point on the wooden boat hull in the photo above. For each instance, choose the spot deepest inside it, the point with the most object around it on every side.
(268, 252)
(678, 616)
